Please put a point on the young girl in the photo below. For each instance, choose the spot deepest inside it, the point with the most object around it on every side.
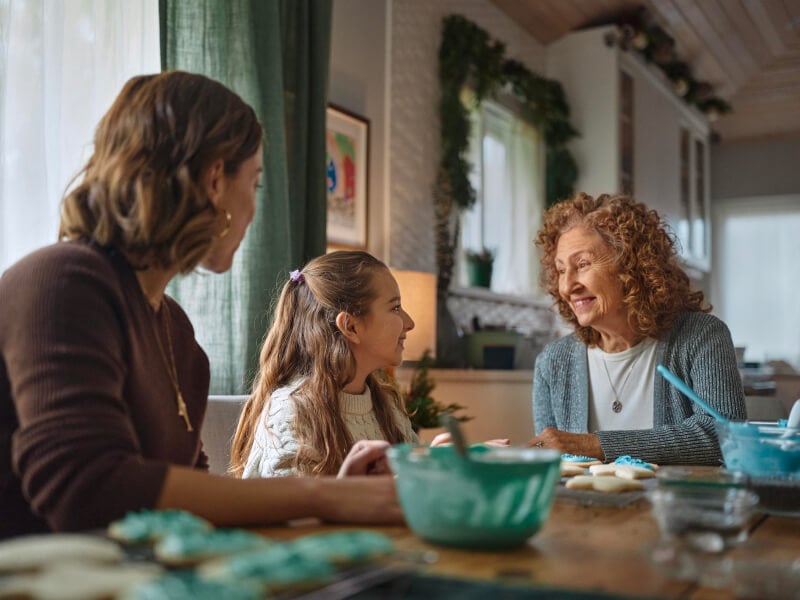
(337, 321)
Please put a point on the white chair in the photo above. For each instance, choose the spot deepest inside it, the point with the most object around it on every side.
(222, 416)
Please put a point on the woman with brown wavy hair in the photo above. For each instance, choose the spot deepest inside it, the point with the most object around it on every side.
(336, 323)
(611, 267)
(103, 387)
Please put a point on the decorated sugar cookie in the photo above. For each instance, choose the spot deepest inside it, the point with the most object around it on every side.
(151, 525)
(183, 548)
(579, 461)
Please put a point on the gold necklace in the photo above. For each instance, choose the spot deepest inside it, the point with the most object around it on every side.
(172, 371)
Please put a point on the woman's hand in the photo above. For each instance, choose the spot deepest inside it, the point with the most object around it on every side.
(444, 439)
(581, 444)
(366, 457)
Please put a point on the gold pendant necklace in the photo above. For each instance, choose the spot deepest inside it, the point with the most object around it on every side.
(169, 364)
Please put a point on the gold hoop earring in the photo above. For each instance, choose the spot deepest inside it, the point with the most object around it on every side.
(225, 231)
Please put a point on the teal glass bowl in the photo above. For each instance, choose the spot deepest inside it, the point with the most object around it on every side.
(495, 498)
(760, 450)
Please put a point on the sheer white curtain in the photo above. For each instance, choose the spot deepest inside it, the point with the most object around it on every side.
(62, 62)
(756, 274)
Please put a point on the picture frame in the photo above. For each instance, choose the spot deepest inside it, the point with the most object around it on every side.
(347, 177)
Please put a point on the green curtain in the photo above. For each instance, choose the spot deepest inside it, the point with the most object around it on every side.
(274, 54)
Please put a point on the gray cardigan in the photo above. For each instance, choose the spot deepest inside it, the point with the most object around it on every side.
(698, 349)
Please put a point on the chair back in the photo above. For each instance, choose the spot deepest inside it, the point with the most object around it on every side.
(222, 417)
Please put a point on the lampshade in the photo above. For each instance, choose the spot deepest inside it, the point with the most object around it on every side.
(418, 295)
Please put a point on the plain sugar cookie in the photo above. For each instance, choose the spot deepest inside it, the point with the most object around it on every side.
(33, 552)
(609, 483)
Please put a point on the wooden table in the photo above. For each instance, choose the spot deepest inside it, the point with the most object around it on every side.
(585, 548)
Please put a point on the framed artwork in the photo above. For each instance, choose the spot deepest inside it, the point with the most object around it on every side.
(346, 166)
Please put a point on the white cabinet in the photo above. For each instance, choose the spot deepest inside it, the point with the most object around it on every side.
(636, 135)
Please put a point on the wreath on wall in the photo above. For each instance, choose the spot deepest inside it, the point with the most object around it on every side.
(469, 57)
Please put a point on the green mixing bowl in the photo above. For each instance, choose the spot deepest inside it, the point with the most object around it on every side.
(495, 498)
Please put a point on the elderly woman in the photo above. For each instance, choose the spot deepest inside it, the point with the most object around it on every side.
(612, 269)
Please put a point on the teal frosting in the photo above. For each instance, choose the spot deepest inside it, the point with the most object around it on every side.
(146, 525)
(191, 544)
(185, 584)
(634, 462)
(277, 566)
(344, 546)
(576, 458)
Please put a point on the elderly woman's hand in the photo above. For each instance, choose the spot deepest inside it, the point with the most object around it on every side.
(581, 444)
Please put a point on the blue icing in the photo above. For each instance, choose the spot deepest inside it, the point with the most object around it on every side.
(577, 458)
(634, 462)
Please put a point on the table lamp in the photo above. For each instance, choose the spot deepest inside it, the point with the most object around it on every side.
(418, 295)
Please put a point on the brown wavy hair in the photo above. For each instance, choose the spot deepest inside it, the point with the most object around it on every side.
(655, 287)
(305, 344)
(141, 190)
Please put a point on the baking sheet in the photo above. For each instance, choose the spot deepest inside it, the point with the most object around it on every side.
(593, 498)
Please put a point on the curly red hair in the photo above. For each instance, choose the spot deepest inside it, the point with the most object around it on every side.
(655, 287)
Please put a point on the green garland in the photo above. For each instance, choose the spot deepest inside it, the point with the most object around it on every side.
(467, 56)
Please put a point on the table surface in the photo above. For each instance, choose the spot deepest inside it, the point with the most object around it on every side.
(586, 548)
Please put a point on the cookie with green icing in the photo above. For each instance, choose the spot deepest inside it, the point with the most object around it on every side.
(183, 548)
(344, 547)
(151, 525)
(186, 584)
(276, 568)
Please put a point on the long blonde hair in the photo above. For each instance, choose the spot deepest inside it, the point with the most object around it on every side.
(305, 344)
(141, 190)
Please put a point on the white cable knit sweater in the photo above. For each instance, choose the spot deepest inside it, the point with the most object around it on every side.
(276, 442)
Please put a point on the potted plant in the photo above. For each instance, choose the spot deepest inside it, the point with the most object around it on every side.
(422, 409)
(479, 267)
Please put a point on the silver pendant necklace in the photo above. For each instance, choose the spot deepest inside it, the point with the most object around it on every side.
(616, 405)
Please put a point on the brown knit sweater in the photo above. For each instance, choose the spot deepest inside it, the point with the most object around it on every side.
(88, 417)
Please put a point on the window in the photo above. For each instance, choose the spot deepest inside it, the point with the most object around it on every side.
(756, 273)
(61, 65)
(506, 154)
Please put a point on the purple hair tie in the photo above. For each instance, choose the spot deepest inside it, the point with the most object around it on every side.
(296, 276)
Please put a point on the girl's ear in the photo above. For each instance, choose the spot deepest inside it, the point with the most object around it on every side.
(214, 182)
(346, 323)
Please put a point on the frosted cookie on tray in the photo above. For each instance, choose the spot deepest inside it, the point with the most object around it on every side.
(73, 580)
(623, 471)
(571, 470)
(344, 547)
(579, 461)
(635, 462)
(610, 484)
(32, 552)
(276, 568)
(152, 525)
(186, 548)
(186, 584)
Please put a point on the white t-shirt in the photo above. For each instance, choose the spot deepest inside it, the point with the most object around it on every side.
(626, 377)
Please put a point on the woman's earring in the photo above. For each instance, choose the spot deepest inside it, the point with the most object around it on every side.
(225, 231)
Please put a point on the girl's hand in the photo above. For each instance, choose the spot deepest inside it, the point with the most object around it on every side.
(366, 457)
(498, 443)
(443, 439)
